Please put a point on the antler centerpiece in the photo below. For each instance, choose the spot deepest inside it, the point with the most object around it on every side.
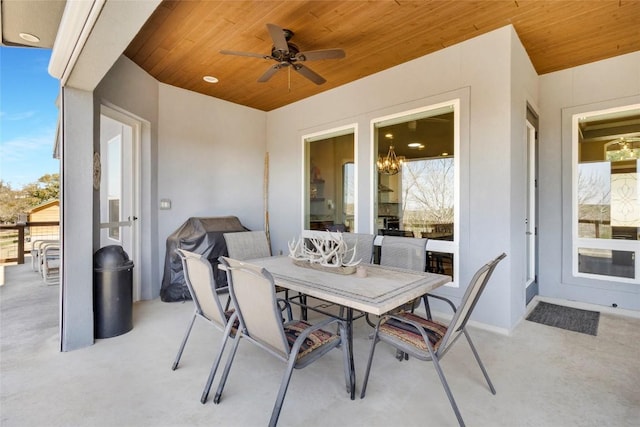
(325, 251)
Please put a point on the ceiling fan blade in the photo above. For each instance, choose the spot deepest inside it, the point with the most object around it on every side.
(309, 73)
(314, 55)
(277, 35)
(253, 55)
(270, 72)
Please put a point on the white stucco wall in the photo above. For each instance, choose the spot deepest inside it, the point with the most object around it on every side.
(479, 71)
(603, 84)
(210, 160)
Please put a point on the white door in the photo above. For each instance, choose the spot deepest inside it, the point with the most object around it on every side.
(119, 192)
(530, 221)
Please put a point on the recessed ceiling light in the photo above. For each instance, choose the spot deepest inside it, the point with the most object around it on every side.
(388, 136)
(210, 79)
(445, 154)
(414, 145)
(29, 37)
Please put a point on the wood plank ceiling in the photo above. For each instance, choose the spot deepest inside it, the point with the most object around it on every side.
(181, 41)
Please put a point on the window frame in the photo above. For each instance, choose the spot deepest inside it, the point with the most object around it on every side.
(308, 138)
(577, 242)
(453, 246)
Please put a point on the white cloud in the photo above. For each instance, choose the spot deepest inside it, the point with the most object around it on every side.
(17, 116)
(21, 149)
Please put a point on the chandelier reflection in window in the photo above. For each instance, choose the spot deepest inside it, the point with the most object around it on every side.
(623, 149)
(391, 164)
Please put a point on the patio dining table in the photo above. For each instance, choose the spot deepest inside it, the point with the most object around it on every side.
(381, 290)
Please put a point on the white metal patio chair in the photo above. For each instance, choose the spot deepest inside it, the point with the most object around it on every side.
(198, 274)
(50, 262)
(363, 245)
(246, 245)
(404, 252)
(407, 253)
(430, 340)
(37, 246)
(295, 342)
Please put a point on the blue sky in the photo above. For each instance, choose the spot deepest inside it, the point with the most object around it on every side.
(28, 116)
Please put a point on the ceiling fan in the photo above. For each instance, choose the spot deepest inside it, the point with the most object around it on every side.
(287, 54)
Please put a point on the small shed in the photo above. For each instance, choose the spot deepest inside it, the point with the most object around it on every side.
(45, 213)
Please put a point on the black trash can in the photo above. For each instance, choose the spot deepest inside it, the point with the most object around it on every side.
(112, 292)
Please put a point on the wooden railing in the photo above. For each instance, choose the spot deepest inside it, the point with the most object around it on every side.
(16, 239)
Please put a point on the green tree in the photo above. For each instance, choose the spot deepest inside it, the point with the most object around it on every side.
(12, 203)
(46, 188)
(15, 202)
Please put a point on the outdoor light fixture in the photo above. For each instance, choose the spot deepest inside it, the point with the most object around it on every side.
(29, 37)
(391, 164)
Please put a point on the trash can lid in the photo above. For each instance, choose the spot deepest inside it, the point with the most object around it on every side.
(111, 256)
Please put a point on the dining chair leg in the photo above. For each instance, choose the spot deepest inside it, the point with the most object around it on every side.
(282, 392)
(227, 368)
(216, 363)
(184, 342)
(477, 356)
(447, 390)
(369, 362)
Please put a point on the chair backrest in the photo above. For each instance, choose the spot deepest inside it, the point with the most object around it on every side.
(247, 245)
(198, 274)
(474, 290)
(404, 252)
(252, 291)
(363, 245)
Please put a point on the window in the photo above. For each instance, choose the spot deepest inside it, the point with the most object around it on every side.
(606, 194)
(419, 198)
(330, 197)
(114, 184)
(348, 193)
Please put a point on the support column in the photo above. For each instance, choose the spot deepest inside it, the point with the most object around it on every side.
(76, 219)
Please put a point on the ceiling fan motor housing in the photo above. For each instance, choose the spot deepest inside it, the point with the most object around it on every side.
(289, 56)
(287, 34)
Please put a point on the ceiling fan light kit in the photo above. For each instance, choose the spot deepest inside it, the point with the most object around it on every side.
(288, 55)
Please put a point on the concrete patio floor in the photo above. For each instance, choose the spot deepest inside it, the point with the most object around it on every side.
(544, 376)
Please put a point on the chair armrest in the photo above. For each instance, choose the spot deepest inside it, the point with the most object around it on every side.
(453, 307)
(304, 334)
